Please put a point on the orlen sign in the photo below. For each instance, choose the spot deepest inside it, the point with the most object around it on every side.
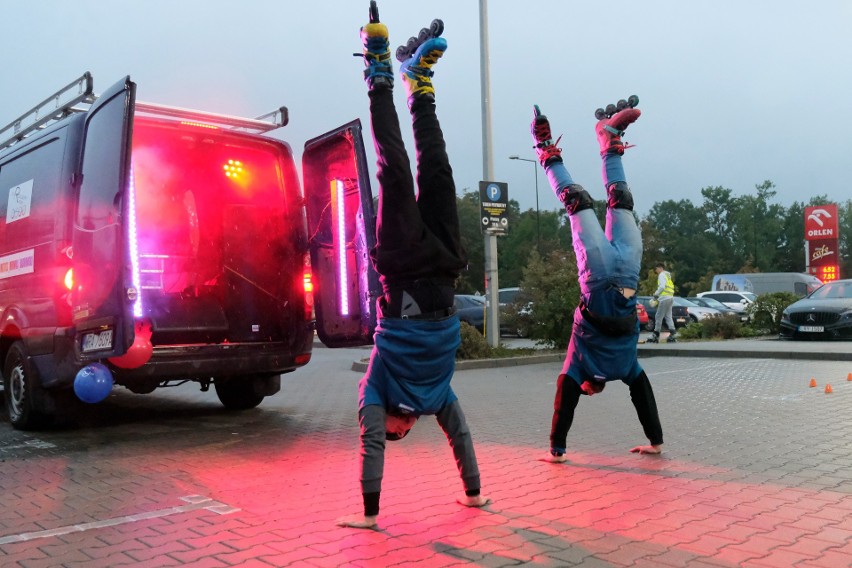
(821, 222)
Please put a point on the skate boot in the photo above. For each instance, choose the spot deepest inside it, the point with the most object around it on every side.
(654, 338)
(377, 56)
(545, 148)
(671, 339)
(416, 71)
(612, 122)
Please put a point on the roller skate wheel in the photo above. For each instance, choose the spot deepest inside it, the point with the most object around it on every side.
(632, 101)
(401, 52)
(374, 12)
(599, 114)
(436, 28)
(621, 105)
(422, 36)
(610, 110)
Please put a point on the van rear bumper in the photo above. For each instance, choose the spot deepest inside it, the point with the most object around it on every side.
(191, 362)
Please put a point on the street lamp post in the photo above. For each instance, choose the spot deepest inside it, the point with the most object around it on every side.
(537, 211)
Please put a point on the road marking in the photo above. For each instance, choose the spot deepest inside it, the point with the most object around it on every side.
(195, 502)
(29, 444)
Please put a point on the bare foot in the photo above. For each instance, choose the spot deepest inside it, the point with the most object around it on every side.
(550, 458)
(658, 449)
(475, 501)
(357, 521)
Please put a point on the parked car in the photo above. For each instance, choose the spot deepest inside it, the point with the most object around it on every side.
(515, 312)
(824, 314)
(767, 282)
(719, 306)
(471, 310)
(680, 315)
(738, 301)
(696, 312)
(642, 314)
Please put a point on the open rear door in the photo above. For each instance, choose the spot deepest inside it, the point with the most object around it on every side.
(341, 229)
(103, 293)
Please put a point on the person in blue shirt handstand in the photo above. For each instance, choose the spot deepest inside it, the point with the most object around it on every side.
(603, 344)
(418, 256)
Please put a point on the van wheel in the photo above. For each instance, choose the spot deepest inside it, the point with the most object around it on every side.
(21, 383)
(238, 393)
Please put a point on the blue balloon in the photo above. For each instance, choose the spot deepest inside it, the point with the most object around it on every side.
(93, 383)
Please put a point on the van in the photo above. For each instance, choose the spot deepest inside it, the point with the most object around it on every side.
(767, 282)
(145, 246)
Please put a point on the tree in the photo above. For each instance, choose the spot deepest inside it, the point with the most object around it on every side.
(552, 287)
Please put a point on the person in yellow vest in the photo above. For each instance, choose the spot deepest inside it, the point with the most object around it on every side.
(665, 295)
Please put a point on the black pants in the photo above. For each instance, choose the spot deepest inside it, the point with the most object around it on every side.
(568, 394)
(417, 238)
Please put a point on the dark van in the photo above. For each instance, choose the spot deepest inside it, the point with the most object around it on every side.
(153, 245)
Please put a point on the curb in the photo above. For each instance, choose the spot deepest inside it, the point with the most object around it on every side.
(742, 354)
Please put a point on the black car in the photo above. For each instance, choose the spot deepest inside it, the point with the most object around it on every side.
(825, 314)
(680, 314)
(471, 310)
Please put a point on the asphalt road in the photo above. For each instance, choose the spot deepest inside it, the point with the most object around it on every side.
(755, 473)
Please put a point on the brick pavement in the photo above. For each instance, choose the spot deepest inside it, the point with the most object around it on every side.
(755, 473)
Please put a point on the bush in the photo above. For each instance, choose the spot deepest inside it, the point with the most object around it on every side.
(473, 344)
(725, 327)
(766, 311)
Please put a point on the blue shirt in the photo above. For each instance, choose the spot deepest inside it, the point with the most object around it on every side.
(411, 365)
(592, 355)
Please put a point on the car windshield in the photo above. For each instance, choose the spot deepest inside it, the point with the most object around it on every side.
(466, 301)
(751, 297)
(678, 301)
(507, 295)
(711, 303)
(833, 290)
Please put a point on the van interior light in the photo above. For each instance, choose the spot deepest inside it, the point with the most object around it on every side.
(199, 125)
(134, 243)
(338, 223)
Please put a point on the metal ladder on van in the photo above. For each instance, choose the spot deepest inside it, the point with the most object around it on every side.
(64, 102)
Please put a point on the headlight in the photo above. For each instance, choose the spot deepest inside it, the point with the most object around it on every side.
(785, 316)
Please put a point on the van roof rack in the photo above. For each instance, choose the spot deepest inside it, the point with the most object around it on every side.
(265, 123)
(80, 91)
(55, 107)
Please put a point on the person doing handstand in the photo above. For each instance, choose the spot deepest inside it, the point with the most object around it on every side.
(603, 344)
(418, 256)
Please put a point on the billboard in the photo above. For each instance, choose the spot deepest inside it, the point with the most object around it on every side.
(821, 222)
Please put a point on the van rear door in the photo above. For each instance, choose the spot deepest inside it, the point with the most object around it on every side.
(103, 292)
(341, 229)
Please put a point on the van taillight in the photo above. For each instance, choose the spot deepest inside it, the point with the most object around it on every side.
(309, 292)
(69, 279)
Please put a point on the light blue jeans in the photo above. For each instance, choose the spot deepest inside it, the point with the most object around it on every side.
(610, 255)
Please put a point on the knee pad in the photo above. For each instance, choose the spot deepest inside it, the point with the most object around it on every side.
(575, 199)
(618, 196)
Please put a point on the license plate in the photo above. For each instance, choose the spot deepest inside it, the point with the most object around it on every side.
(680, 320)
(97, 341)
(811, 328)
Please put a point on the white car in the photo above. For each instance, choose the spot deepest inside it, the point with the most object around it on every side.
(738, 301)
(696, 312)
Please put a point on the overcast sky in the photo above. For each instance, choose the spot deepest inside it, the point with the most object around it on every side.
(733, 92)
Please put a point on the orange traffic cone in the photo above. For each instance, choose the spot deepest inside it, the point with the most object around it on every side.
(849, 377)
(812, 383)
(828, 389)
